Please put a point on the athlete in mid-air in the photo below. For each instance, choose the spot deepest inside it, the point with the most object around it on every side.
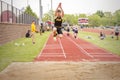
(59, 13)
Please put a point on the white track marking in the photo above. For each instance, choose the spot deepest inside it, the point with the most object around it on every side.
(62, 47)
(52, 46)
(103, 55)
(85, 52)
(52, 55)
(103, 50)
(43, 47)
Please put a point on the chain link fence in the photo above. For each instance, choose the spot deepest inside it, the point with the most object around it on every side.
(10, 14)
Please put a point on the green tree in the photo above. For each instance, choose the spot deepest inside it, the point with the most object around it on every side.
(73, 18)
(29, 11)
(48, 16)
(117, 17)
(100, 13)
(108, 18)
(82, 16)
(68, 18)
(104, 21)
(94, 20)
(97, 19)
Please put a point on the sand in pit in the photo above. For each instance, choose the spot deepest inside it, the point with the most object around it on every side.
(62, 71)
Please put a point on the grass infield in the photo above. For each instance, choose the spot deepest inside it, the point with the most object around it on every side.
(21, 50)
(110, 44)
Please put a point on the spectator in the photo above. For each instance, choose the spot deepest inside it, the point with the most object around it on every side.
(117, 32)
(102, 35)
(33, 30)
(41, 28)
(28, 34)
(68, 30)
(75, 31)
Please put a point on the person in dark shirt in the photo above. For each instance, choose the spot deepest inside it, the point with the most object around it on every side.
(116, 32)
(75, 30)
(27, 35)
(41, 28)
(102, 35)
(68, 30)
(59, 13)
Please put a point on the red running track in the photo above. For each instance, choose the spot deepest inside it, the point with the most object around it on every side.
(70, 49)
(98, 30)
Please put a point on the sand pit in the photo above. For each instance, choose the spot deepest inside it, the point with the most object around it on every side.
(62, 71)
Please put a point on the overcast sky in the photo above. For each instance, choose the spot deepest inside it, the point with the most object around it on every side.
(70, 6)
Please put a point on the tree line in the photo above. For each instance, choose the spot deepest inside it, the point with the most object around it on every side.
(99, 18)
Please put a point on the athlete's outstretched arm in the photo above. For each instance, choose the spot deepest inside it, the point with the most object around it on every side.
(62, 11)
(57, 9)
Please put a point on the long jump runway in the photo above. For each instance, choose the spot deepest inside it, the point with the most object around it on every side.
(70, 49)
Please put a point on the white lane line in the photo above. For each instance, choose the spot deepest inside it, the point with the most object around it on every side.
(101, 49)
(107, 52)
(62, 47)
(105, 56)
(51, 46)
(52, 55)
(85, 52)
(43, 47)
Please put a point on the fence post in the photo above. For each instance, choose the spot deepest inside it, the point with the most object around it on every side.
(1, 11)
(7, 13)
(12, 9)
(14, 15)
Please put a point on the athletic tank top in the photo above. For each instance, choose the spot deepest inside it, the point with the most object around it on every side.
(58, 22)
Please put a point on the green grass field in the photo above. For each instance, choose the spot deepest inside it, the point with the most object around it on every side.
(21, 53)
(112, 45)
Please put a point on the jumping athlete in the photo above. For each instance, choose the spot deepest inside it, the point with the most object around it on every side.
(59, 13)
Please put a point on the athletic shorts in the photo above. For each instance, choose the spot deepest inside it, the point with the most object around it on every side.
(116, 33)
(59, 30)
(68, 30)
(76, 31)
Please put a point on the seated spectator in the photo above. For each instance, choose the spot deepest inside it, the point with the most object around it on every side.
(28, 34)
(102, 35)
